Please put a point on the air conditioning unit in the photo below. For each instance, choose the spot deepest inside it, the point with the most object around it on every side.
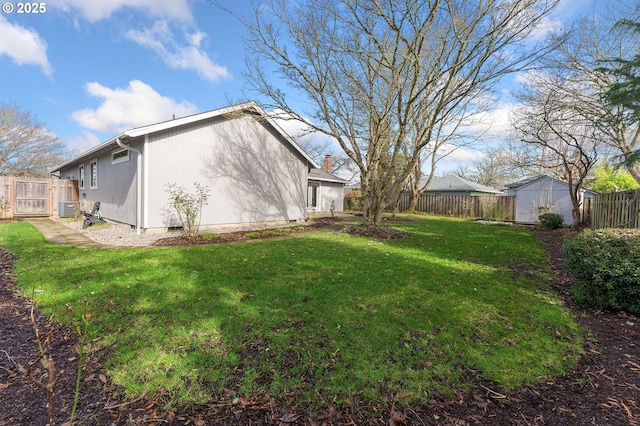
(66, 208)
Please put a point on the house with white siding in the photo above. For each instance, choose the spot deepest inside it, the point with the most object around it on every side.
(254, 171)
(326, 191)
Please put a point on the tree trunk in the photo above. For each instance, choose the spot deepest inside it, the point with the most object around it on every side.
(413, 200)
(576, 215)
(576, 202)
(372, 209)
(635, 172)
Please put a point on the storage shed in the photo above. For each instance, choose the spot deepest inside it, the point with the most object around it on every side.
(538, 195)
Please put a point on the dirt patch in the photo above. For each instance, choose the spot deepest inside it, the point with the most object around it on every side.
(601, 390)
(379, 232)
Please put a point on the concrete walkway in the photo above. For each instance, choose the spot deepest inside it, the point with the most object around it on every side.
(59, 234)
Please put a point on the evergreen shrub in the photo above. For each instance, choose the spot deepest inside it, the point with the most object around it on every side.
(606, 265)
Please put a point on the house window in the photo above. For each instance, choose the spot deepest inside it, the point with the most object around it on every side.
(93, 170)
(119, 156)
(312, 196)
(81, 176)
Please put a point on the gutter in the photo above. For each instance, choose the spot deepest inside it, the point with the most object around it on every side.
(138, 182)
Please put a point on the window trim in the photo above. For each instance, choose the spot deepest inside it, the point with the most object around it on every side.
(121, 158)
(93, 183)
(81, 176)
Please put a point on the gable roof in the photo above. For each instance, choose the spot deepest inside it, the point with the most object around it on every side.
(250, 107)
(456, 183)
(526, 181)
(321, 175)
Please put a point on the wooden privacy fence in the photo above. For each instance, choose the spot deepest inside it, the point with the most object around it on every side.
(616, 210)
(25, 196)
(496, 207)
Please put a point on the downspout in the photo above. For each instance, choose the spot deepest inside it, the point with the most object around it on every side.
(138, 182)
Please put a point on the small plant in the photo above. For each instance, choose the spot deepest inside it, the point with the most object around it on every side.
(188, 206)
(252, 234)
(550, 221)
(281, 230)
(210, 236)
(81, 329)
(4, 206)
(77, 210)
(46, 362)
(606, 265)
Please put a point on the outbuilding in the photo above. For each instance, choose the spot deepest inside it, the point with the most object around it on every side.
(541, 194)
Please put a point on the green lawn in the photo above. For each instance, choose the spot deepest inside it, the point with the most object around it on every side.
(326, 315)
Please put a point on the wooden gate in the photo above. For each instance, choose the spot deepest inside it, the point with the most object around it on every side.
(27, 197)
(32, 197)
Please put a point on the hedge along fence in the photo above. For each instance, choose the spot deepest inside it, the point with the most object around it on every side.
(496, 207)
(616, 210)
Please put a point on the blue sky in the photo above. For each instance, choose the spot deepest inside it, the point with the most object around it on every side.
(89, 69)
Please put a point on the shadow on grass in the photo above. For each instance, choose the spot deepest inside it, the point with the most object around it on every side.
(328, 316)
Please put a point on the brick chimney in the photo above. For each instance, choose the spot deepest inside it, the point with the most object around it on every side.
(326, 165)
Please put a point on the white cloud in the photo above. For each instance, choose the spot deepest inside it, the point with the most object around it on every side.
(191, 56)
(96, 10)
(82, 143)
(298, 130)
(301, 133)
(530, 77)
(493, 124)
(545, 27)
(134, 106)
(24, 46)
(453, 154)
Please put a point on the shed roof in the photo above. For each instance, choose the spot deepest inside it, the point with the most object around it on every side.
(250, 107)
(526, 181)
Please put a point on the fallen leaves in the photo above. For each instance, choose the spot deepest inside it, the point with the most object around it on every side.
(619, 404)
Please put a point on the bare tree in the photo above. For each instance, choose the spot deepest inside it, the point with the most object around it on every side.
(342, 165)
(550, 120)
(388, 78)
(26, 146)
(496, 168)
(593, 42)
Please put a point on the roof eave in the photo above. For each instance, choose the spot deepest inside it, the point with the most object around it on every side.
(157, 127)
(93, 151)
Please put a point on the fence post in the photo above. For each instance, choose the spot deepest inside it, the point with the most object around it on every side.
(11, 196)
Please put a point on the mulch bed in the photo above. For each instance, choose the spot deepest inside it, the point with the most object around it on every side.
(601, 390)
(230, 237)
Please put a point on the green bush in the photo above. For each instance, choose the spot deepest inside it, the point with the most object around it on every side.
(606, 265)
(550, 221)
